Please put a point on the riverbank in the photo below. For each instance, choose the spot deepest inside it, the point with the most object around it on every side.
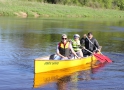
(37, 9)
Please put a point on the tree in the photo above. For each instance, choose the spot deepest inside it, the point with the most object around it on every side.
(121, 4)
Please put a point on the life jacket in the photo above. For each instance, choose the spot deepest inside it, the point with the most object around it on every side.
(76, 45)
(64, 49)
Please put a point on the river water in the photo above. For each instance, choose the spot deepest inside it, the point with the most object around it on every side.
(24, 39)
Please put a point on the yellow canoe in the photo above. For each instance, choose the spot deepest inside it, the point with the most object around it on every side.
(43, 64)
(43, 78)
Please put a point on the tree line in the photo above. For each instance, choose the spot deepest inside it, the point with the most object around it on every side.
(108, 4)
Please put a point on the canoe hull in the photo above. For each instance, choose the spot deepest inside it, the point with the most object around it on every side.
(43, 78)
(41, 65)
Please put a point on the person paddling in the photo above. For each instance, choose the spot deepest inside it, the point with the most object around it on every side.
(64, 49)
(90, 43)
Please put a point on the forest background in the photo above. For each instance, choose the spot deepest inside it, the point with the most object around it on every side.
(108, 4)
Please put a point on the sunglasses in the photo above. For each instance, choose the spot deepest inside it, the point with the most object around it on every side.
(64, 38)
(76, 37)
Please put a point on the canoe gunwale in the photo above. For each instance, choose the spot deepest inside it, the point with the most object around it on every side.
(42, 59)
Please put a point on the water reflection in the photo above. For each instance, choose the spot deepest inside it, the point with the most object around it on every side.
(65, 76)
(62, 80)
(62, 83)
(85, 75)
(71, 82)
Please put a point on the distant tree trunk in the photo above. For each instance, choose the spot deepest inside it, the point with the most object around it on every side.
(53, 1)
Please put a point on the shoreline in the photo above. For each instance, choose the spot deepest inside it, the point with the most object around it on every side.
(36, 9)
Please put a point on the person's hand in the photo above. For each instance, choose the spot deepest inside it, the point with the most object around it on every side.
(83, 47)
(64, 57)
(98, 50)
(79, 57)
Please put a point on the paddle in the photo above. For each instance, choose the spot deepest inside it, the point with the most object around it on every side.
(104, 57)
(98, 56)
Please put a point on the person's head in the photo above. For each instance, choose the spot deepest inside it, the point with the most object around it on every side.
(64, 38)
(90, 35)
(76, 36)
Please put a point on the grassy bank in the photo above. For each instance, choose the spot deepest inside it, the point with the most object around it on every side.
(35, 9)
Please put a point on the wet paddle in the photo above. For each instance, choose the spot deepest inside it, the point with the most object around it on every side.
(103, 56)
(106, 58)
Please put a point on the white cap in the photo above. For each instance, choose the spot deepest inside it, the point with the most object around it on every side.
(64, 35)
(76, 35)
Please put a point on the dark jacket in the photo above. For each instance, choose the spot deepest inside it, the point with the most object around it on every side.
(88, 45)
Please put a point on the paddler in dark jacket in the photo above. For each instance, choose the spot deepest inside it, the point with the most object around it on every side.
(89, 43)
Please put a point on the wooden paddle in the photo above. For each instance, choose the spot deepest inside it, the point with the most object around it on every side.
(104, 57)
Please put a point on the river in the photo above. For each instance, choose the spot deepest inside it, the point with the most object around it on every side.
(24, 39)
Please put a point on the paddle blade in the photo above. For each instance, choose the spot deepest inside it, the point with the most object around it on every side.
(99, 57)
(107, 59)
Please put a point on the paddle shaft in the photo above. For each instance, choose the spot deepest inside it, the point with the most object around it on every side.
(88, 50)
(91, 42)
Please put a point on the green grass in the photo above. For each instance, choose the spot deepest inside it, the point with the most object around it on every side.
(31, 9)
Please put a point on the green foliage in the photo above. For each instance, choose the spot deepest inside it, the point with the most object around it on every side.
(111, 4)
(120, 4)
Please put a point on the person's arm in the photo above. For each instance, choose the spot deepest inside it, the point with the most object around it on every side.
(72, 50)
(57, 51)
(96, 44)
